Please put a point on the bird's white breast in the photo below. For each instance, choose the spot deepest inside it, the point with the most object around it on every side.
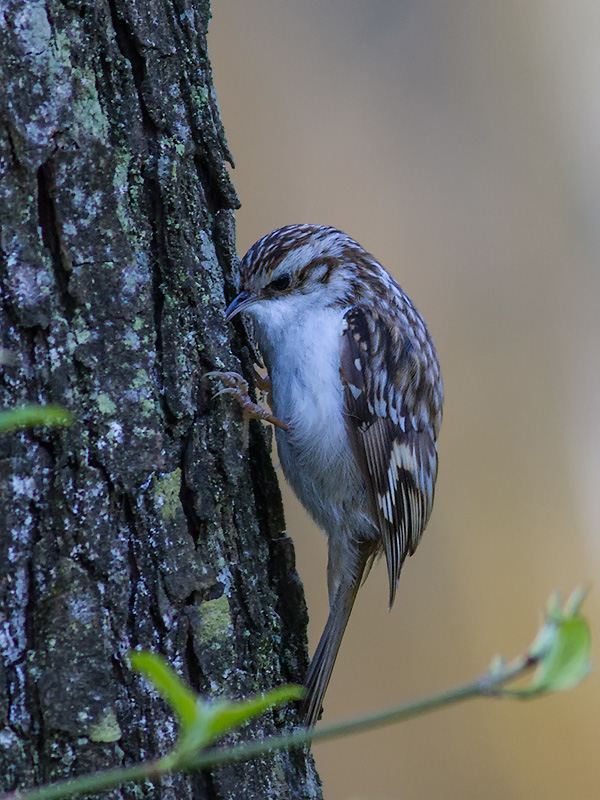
(301, 346)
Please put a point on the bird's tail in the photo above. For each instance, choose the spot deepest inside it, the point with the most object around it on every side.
(321, 666)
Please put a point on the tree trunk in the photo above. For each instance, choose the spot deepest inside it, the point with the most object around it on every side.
(146, 523)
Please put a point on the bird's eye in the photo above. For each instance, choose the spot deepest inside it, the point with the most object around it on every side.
(280, 283)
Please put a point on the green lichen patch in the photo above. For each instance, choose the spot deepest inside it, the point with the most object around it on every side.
(166, 494)
(105, 404)
(106, 729)
(215, 621)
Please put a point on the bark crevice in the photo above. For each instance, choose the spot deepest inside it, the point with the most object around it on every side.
(51, 233)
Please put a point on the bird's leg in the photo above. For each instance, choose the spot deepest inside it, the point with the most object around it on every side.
(237, 386)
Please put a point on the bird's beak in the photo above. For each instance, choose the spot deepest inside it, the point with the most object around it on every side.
(240, 303)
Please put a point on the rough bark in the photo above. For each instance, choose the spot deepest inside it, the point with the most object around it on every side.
(145, 523)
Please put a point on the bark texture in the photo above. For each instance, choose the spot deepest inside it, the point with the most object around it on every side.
(144, 524)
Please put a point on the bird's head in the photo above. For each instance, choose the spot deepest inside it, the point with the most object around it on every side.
(296, 267)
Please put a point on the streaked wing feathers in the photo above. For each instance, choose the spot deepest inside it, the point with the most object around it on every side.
(393, 405)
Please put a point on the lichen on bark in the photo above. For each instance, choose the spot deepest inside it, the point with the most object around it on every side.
(144, 523)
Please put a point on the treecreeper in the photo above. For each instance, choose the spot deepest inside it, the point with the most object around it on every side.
(356, 395)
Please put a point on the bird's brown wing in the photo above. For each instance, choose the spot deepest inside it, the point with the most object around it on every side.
(393, 401)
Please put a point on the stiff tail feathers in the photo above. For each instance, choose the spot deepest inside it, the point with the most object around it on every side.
(321, 667)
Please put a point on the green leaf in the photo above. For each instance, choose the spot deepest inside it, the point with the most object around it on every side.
(568, 661)
(33, 415)
(214, 718)
(228, 715)
(181, 699)
(202, 721)
(562, 648)
(575, 601)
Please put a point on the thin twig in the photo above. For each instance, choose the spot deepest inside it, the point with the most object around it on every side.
(484, 686)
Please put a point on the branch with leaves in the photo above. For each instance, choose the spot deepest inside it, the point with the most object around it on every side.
(559, 658)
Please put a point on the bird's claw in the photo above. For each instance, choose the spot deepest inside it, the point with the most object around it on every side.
(237, 386)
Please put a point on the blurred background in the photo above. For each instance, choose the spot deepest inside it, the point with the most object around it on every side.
(459, 143)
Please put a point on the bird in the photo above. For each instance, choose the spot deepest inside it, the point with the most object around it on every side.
(356, 395)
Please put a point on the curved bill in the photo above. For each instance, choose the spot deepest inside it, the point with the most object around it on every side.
(240, 303)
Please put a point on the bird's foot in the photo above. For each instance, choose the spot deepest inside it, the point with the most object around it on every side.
(237, 386)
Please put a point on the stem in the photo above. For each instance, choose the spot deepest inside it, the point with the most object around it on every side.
(377, 719)
(485, 685)
(89, 784)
